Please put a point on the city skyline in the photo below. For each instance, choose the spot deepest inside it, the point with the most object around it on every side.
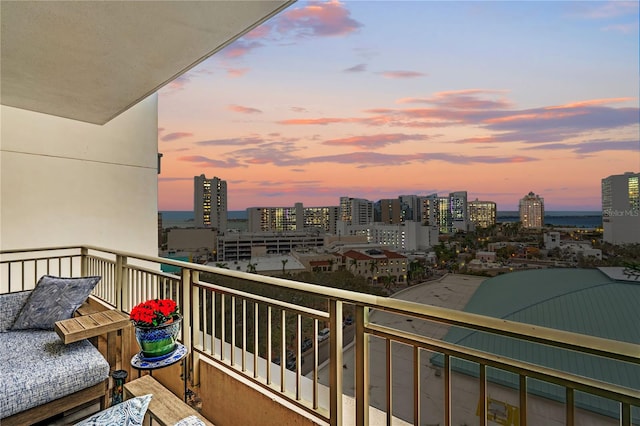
(377, 99)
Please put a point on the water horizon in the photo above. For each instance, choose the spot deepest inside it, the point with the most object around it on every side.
(569, 218)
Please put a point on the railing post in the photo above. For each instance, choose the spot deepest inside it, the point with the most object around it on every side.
(335, 362)
(187, 313)
(121, 287)
(186, 308)
(84, 260)
(362, 366)
(195, 329)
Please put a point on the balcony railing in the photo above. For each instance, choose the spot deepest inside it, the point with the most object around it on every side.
(241, 322)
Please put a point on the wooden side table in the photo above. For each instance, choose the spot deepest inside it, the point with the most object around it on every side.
(107, 322)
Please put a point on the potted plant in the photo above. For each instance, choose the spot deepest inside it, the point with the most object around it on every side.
(157, 324)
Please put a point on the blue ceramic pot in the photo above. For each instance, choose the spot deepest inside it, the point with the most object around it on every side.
(158, 342)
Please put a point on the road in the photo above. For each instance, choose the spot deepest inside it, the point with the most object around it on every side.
(323, 350)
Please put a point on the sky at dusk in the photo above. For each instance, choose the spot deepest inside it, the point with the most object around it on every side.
(376, 99)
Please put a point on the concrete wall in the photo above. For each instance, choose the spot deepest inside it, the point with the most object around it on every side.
(65, 182)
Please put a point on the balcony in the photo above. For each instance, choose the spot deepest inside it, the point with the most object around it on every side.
(390, 374)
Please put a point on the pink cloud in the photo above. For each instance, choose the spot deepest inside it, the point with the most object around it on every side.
(237, 72)
(315, 121)
(244, 110)
(592, 102)
(250, 140)
(481, 108)
(374, 141)
(202, 161)
(402, 74)
(323, 19)
(260, 31)
(176, 135)
(463, 99)
(240, 48)
(179, 82)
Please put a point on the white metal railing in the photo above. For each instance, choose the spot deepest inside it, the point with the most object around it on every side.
(229, 325)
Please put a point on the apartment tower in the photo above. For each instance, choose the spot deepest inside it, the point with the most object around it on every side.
(532, 211)
(356, 211)
(210, 203)
(482, 213)
(621, 208)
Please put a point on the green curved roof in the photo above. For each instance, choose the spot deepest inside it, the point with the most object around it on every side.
(585, 301)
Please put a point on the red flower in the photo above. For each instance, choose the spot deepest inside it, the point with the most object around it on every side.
(153, 312)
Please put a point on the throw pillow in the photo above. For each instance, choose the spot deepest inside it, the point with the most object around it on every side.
(52, 300)
(190, 421)
(127, 413)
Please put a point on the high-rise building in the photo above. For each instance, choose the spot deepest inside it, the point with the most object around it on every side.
(296, 218)
(482, 213)
(321, 218)
(458, 211)
(621, 208)
(444, 216)
(390, 211)
(210, 203)
(532, 211)
(275, 219)
(356, 211)
(430, 210)
(411, 207)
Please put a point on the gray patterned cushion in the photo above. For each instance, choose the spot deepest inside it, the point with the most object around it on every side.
(52, 300)
(10, 306)
(127, 413)
(37, 368)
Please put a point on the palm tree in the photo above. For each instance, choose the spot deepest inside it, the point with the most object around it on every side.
(284, 262)
(388, 281)
(354, 263)
(373, 267)
(251, 267)
(331, 262)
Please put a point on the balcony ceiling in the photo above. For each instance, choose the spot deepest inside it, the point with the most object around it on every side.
(92, 60)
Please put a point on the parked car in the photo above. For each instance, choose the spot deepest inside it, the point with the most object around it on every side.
(347, 321)
(291, 364)
(323, 334)
(306, 344)
(291, 360)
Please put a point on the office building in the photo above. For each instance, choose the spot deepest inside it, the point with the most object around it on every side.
(210, 203)
(482, 214)
(458, 211)
(532, 211)
(621, 209)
